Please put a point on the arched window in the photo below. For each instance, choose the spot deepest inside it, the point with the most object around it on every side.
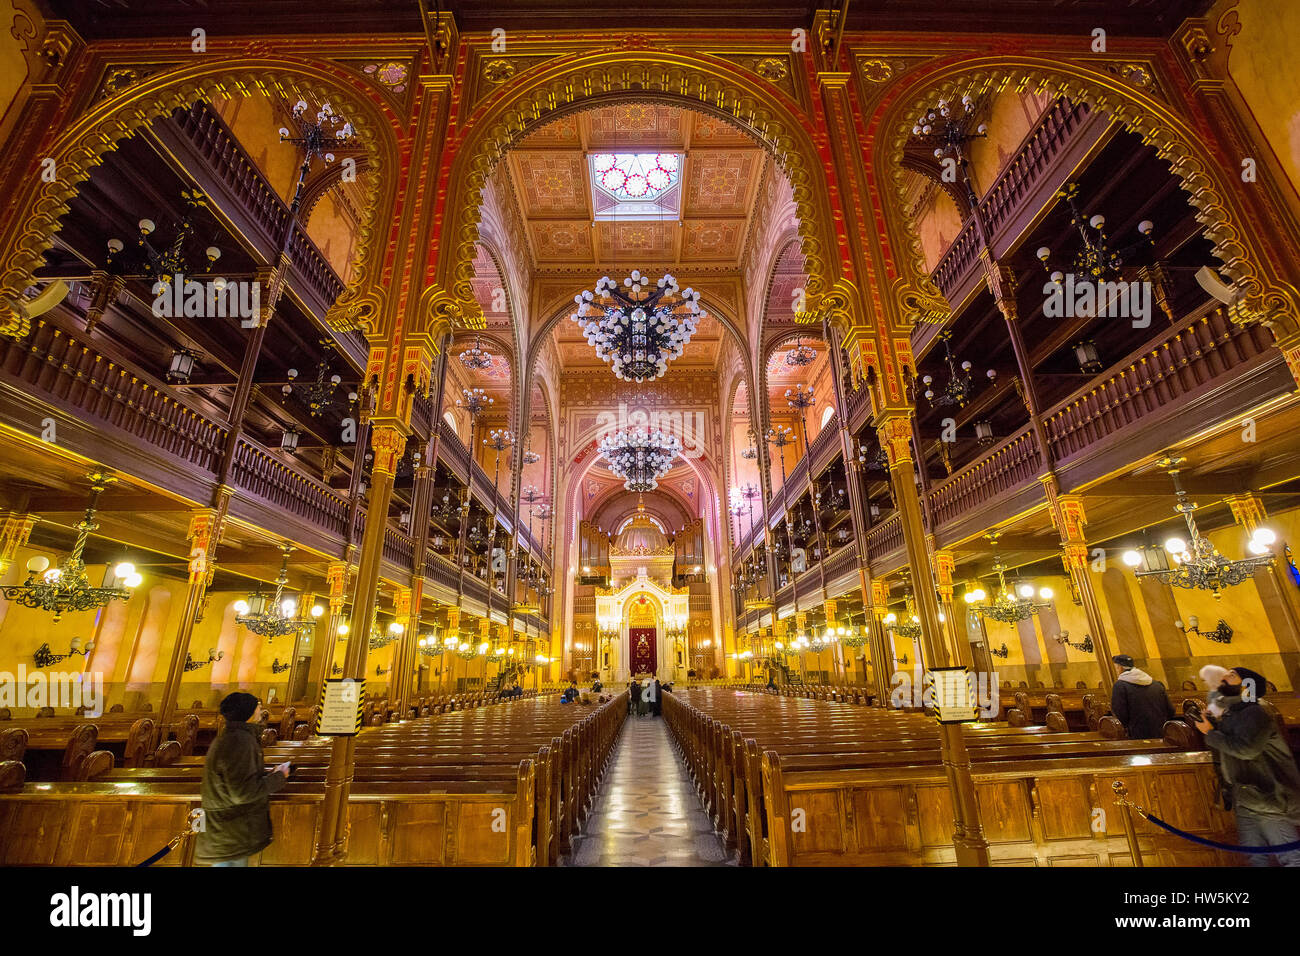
(828, 414)
(450, 419)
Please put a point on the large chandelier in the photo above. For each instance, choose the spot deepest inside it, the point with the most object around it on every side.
(1011, 604)
(277, 615)
(319, 394)
(66, 587)
(958, 390)
(378, 638)
(636, 328)
(801, 355)
(1196, 562)
(640, 458)
(909, 628)
(161, 263)
(476, 357)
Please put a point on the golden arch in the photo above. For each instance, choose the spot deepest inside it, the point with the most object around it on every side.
(38, 207)
(703, 84)
(1268, 295)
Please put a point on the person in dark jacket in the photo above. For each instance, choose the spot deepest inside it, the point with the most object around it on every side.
(1139, 701)
(1263, 782)
(237, 788)
(657, 699)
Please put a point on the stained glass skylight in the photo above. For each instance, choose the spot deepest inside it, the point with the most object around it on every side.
(635, 177)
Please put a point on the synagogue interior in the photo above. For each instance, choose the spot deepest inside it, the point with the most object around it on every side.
(862, 414)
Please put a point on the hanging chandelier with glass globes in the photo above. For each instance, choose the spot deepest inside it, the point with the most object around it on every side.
(1197, 564)
(640, 458)
(476, 357)
(637, 328)
(67, 587)
(276, 615)
(162, 263)
(960, 385)
(801, 356)
(1010, 604)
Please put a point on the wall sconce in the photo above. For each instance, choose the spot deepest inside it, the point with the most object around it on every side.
(44, 657)
(901, 660)
(1222, 633)
(1085, 645)
(213, 655)
(336, 670)
(1001, 652)
(277, 667)
(381, 671)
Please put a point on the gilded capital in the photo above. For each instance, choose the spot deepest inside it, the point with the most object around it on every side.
(388, 442)
(896, 438)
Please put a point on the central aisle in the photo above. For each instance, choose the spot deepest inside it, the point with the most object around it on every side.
(647, 812)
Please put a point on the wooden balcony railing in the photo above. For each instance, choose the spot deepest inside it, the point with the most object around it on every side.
(1199, 353)
(67, 373)
(824, 448)
(257, 472)
(209, 137)
(1027, 173)
(1012, 463)
(841, 560)
(399, 549)
(884, 538)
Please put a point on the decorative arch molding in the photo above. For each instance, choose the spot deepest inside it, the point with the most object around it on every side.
(665, 506)
(30, 228)
(783, 337)
(570, 84)
(1258, 274)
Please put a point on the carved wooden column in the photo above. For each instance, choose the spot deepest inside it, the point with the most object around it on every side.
(336, 576)
(1069, 517)
(968, 838)
(388, 442)
(944, 565)
(204, 534)
(397, 667)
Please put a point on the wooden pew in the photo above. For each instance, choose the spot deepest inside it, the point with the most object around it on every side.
(728, 768)
(449, 790)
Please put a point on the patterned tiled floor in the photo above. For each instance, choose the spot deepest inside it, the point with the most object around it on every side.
(647, 812)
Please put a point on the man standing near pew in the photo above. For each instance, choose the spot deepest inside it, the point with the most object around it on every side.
(1263, 782)
(656, 699)
(1139, 701)
(237, 788)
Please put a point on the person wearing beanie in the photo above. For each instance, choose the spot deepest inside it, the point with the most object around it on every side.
(237, 788)
(1139, 701)
(1259, 771)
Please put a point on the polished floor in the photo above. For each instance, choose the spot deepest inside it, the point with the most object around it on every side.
(647, 812)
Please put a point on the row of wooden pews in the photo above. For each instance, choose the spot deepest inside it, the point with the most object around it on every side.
(71, 747)
(793, 781)
(501, 784)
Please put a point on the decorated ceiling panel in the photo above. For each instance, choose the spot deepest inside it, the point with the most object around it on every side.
(721, 182)
(551, 184)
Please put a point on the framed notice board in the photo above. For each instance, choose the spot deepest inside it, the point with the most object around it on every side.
(342, 701)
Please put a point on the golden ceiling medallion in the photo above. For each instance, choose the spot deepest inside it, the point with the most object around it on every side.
(498, 71)
(876, 70)
(772, 69)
